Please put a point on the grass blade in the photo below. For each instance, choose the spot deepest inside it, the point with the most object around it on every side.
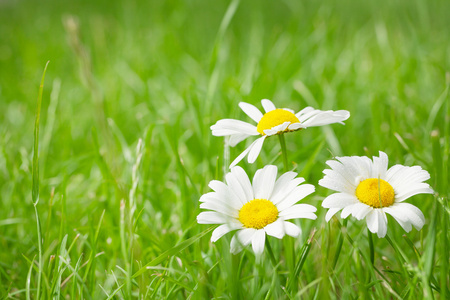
(28, 284)
(35, 187)
(302, 259)
(170, 252)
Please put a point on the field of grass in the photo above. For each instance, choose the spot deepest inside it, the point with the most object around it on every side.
(125, 149)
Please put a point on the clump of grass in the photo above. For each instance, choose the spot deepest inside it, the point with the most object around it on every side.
(155, 72)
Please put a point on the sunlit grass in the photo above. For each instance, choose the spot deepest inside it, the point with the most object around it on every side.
(125, 148)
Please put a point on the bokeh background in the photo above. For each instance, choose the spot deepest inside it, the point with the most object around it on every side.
(163, 72)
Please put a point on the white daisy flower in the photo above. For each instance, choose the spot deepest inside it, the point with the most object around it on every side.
(368, 189)
(256, 209)
(274, 121)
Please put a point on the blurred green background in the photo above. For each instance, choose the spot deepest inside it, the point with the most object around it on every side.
(164, 71)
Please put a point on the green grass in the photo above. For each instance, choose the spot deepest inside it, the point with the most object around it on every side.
(125, 149)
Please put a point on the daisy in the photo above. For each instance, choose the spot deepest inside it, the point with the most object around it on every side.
(256, 209)
(368, 189)
(274, 121)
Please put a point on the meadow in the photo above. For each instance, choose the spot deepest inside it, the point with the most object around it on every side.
(107, 206)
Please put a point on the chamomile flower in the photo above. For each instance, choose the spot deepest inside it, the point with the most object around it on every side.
(274, 121)
(256, 209)
(368, 189)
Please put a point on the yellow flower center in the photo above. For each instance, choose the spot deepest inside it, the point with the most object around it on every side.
(258, 213)
(275, 117)
(375, 192)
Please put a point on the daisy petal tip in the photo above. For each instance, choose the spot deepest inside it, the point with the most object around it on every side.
(430, 190)
(235, 251)
(381, 234)
(345, 114)
(382, 155)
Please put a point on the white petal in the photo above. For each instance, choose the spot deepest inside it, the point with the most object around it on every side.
(289, 110)
(347, 211)
(283, 189)
(243, 179)
(295, 126)
(349, 184)
(327, 117)
(308, 114)
(291, 229)
(372, 221)
(304, 111)
(348, 171)
(359, 166)
(414, 215)
(380, 165)
(214, 198)
(339, 200)
(300, 215)
(399, 216)
(277, 129)
(268, 105)
(296, 195)
(221, 208)
(382, 225)
(420, 188)
(298, 211)
(251, 111)
(211, 196)
(282, 181)
(242, 155)
(258, 241)
(336, 183)
(237, 138)
(330, 213)
(236, 187)
(408, 181)
(256, 149)
(223, 193)
(360, 210)
(300, 207)
(284, 126)
(223, 229)
(235, 245)
(219, 187)
(230, 126)
(211, 217)
(392, 172)
(402, 178)
(377, 222)
(275, 229)
(245, 235)
(270, 132)
(264, 182)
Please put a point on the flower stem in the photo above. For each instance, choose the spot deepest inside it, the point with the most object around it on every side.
(284, 152)
(271, 256)
(372, 252)
(401, 255)
(339, 243)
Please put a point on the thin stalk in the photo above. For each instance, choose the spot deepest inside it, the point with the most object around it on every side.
(403, 259)
(35, 175)
(372, 252)
(124, 248)
(397, 249)
(283, 151)
(271, 256)
(339, 244)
